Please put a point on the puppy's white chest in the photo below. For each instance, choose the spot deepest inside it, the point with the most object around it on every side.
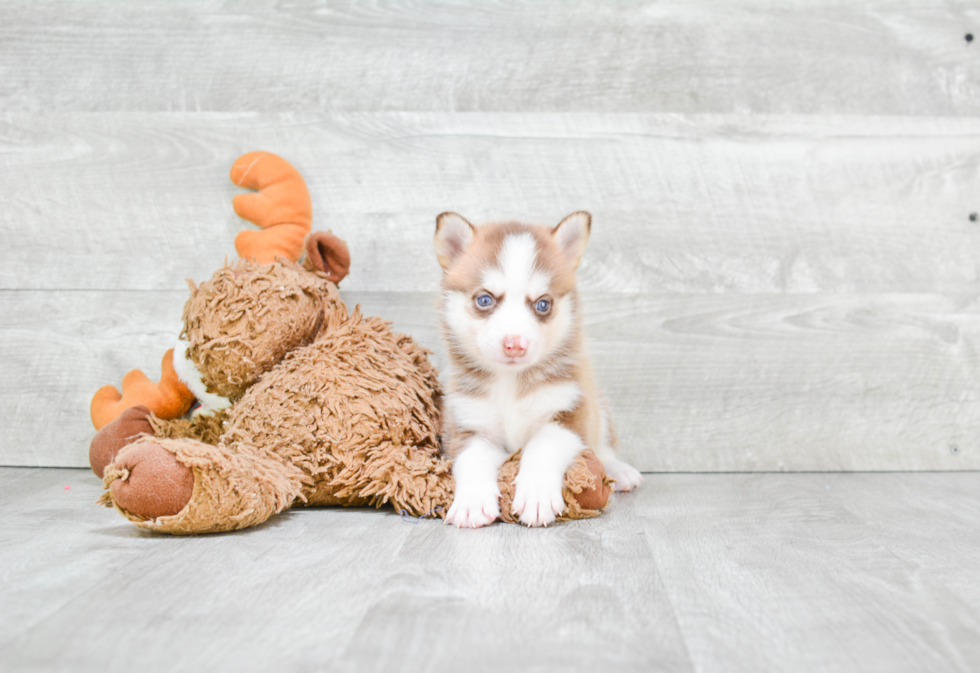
(508, 419)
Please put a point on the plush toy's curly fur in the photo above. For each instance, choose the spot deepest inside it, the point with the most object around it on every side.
(328, 408)
(266, 311)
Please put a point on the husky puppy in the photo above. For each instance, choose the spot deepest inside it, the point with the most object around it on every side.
(520, 377)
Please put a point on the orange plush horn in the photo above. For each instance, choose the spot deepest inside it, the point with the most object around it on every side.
(281, 207)
(168, 399)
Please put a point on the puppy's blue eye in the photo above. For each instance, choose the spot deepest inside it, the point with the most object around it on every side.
(484, 301)
(543, 306)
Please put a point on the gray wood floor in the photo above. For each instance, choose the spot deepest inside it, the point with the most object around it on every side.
(693, 572)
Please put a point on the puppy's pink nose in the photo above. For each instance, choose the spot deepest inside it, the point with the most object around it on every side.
(515, 346)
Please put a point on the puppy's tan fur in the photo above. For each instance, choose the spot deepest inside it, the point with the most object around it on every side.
(543, 399)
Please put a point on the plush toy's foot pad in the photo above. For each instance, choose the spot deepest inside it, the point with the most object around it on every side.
(154, 483)
(126, 428)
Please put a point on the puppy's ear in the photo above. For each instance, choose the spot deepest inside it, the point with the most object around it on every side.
(453, 235)
(572, 234)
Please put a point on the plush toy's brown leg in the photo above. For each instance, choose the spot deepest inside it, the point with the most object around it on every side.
(112, 437)
(183, 486)
(138, 420)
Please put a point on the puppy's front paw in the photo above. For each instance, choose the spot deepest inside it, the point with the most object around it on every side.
(537, 501)
(627, 477)
(473, 508)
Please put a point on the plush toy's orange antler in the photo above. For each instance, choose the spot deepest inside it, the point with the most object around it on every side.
(168, 399)
(282, 207)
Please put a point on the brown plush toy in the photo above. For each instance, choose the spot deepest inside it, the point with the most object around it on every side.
(305, 402)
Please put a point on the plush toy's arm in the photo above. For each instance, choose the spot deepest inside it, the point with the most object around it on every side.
(586, 490)
(281, 207)
(168, 399)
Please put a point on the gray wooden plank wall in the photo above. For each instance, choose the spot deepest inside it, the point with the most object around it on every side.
(783, 274)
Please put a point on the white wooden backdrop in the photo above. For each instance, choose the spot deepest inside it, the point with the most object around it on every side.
(783, 273)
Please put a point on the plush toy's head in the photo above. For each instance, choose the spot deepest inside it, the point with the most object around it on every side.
(244, 320)
(246, 317)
